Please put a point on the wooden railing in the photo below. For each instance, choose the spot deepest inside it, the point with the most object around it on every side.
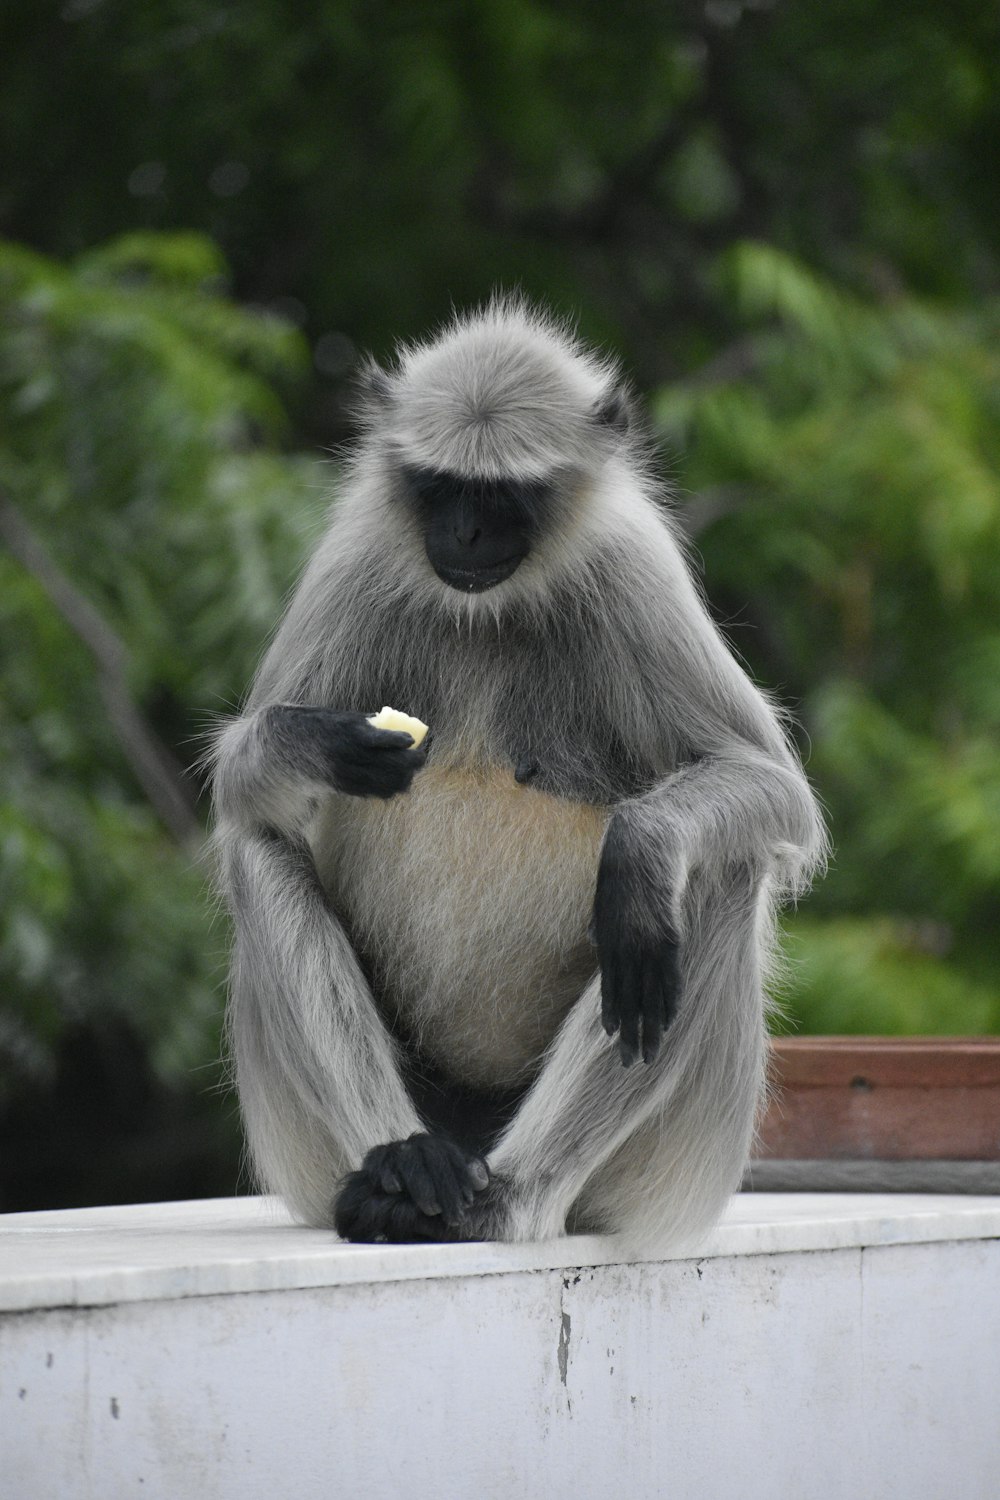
(881, 1114)
(884, 1098)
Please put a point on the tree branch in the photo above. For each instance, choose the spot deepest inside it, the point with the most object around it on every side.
(154, 767)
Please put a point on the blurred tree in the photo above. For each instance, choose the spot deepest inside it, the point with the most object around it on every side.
(782, 215)
(842, 468)
(364, 165)
(143, 500)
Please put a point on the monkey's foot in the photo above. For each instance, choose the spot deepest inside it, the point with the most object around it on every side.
(414, 1190)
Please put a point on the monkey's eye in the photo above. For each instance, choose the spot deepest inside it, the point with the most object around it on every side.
(430, 485)
(522, 502)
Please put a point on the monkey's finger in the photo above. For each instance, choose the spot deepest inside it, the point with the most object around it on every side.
(471, 1174)
(388, 1178)
(462, 1177)
(413, 760)
(383, 739)
(610, 971)
(364, 1215)
(455, 1175)
(653, 1018)
(378, 1167)
(479, 1173)
(381, 776)
(406, 1224)
(450, 1171)
(369, 758)
(672, 981)
(631, 1011)
(417, 1179)
(446, 1173)
(396, 774)
(350, 1206)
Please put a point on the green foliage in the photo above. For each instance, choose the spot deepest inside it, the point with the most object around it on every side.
(847, 467)
(138, 428)
(378, 161)
(880, 975)
(782, 215)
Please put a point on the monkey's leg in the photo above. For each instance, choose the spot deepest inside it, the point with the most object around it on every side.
(698, 1100)
(316, 1069)
(319, 1079)
(697, 857)
(318, 1073)
(669, 1181)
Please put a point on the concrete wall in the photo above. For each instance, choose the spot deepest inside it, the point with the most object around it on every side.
(759, 1368)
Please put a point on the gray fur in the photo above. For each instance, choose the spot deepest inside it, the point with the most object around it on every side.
(466, 900)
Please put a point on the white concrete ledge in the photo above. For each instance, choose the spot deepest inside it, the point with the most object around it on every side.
(93, 1257)
(816, 1347)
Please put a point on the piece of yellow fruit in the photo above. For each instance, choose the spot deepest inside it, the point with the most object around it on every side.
(391, 718)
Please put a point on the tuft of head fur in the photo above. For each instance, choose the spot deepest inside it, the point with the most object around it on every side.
(505, 390)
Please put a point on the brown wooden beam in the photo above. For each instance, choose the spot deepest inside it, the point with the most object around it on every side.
(883, 1099)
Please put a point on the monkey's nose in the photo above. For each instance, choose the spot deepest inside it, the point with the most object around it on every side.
(467, 532)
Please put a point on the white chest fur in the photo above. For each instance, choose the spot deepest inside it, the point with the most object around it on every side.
(469, 896)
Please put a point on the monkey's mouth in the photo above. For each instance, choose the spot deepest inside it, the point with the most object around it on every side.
(478, 580)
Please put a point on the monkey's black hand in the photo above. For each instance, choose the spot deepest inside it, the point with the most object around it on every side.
(419, 1189)
(639, 954)
(349, 752)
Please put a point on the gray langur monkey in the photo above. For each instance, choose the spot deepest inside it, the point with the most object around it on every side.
(512, 985)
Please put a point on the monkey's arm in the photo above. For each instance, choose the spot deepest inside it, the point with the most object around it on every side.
(739, 802)
(274, 764)
(739, 808)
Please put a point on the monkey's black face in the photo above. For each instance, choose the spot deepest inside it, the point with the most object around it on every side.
(477, 532)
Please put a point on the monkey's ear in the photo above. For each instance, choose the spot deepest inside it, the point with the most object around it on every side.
(614, 411)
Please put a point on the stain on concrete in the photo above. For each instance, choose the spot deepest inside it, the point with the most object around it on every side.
(562, 1353)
